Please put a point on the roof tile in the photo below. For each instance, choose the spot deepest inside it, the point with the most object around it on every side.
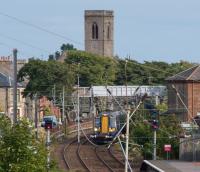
(191, 74)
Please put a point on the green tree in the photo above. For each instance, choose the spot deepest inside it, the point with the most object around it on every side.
(41, 76)
(47, 111)
(19, 150)
(92, 69)
(67, 46)
(147, 73)
(135, 73)
(168, 133)
(162, 107)
(57, 55)
(51, 57)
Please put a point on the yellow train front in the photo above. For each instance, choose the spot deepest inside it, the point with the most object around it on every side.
(105, 127)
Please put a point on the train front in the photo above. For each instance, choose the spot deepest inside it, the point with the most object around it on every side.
(104, 128)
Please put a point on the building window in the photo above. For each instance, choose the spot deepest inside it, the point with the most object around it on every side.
(18, 113)
(108, 31)
(18, 94)
(95, 31)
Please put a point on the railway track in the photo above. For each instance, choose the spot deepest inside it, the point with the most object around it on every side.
(117, 155)
(71, 156)
(87, 157)
(109, 160)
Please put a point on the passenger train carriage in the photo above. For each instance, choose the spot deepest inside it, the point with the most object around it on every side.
(106, 126)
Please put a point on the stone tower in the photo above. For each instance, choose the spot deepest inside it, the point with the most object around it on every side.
(99, 26)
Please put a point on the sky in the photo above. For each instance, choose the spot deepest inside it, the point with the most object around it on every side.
(145, 30)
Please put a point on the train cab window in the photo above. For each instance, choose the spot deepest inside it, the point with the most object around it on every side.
(97, 122)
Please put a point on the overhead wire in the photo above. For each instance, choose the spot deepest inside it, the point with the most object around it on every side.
(159, 70)
(155, 69)
(25, 43)
(11, 48)
(39, 28)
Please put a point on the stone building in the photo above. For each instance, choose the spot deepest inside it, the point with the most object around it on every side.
(6, 65)
(25, 106)
(184, 93)
(99, 32)
(6, 96)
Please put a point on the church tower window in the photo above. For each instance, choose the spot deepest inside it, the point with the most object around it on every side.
(108, 32)
(95, 31)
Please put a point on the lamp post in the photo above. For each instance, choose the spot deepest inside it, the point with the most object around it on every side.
(127, 122)
(15, 85)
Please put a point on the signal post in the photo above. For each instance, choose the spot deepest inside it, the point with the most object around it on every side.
(48, 126)
(154, 124)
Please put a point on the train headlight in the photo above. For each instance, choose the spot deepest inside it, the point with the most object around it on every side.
(95, 129)
(111, 129)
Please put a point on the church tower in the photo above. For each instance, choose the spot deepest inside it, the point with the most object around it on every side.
(99, 26)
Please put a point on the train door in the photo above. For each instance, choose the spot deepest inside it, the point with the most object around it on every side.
(104, 124)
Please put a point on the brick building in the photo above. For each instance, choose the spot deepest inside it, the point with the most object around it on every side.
(184, 93)
(45, 103)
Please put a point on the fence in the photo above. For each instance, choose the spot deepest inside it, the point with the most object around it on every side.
(189, 149)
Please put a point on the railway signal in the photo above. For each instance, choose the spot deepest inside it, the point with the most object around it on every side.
(154, 113)
(48, 125)
(154, 124)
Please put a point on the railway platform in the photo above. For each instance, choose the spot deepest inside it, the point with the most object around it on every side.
(169, 166)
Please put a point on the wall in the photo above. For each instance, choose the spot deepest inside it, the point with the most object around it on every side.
(3, 99)
(174, 103)
(20, 102)
(193, 98)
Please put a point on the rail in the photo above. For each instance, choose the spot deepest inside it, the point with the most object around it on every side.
(79, 155)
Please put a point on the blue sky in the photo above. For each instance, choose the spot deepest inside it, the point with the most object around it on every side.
(144, 29)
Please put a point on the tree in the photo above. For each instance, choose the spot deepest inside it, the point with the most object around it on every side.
(41, 76)
(57, 55)
(47, 110)
(162, 107)
(19, 150)
(51, 57)
(92, 69)
(67, 46)
(168, 133)
(147, 73)
(135, 73)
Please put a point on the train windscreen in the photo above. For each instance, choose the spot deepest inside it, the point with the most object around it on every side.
(113, 122)
(97, 122)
